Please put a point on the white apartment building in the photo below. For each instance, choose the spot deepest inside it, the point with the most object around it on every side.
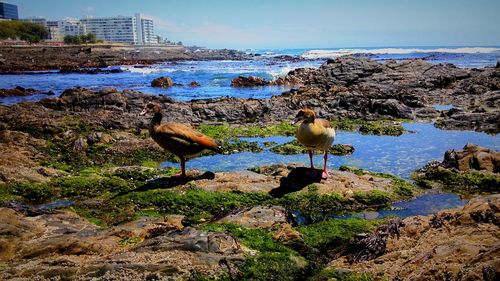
(134, 30)
(71, 27)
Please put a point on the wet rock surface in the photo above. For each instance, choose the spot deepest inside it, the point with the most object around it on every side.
(63, 244)
(458, 248)
(21, 92)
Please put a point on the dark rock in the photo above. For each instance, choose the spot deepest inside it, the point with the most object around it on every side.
(194, 84)
(391, 107)
(162, 82)
(250, 81)
(369, 246)
(22, 92)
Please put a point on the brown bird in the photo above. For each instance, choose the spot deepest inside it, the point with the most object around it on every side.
(180, 139)
(315, 133)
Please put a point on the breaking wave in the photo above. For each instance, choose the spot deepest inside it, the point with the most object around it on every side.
(318, 54)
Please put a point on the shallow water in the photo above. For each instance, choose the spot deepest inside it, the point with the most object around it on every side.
(423, 205)
(395, 155)
(438, 106)
(214, 77)
(56, 204)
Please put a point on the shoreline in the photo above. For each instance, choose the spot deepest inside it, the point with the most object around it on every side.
(39, 58)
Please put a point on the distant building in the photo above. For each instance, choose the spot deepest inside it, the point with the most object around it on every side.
(132, 30)
(72, 27)
(54, 31)
(8, 11)
(52, 27)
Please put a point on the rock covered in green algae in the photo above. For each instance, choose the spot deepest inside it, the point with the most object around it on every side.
(294, 147)
(473, 169)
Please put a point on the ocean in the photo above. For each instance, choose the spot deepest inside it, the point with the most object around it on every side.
(215, 76)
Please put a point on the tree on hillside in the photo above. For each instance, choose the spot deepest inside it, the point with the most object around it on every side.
(80, 39)
(27, 31)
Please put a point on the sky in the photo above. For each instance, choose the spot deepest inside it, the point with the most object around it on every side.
(297, 24)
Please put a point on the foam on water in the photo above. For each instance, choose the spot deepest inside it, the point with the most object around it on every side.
(317, 54)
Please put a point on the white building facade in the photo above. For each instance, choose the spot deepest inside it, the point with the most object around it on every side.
(131, 30)
(134, 30)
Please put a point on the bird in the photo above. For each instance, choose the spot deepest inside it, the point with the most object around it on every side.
(314, 133)
(179, 139)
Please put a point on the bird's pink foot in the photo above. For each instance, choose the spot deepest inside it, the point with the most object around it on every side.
(324, 175)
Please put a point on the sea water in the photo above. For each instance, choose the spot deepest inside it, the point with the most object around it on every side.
(397, 155)
(215, 76)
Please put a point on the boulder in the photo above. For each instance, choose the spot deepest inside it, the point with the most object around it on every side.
(22, 92)
(162, 82)
(250, 81)
(257, 217)
(194, 84)
(473, 157)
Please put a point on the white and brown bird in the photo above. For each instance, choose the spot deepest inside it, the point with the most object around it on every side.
(315, 133)
(180, 139)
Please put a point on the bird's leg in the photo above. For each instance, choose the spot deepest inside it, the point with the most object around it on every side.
(324, 175)
(312, 172)
(311, 158)
(183, 167)
(182, 174)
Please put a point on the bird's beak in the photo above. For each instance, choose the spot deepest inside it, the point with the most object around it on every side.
(296, 120)
(143, 112)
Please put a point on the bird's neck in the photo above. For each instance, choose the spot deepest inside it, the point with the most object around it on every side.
(155, 122)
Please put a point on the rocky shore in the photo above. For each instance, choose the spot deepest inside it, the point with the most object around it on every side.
(357, 87)
(82, 196)
(72, 58)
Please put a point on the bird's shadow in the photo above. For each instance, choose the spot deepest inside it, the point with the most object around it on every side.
(297, 179)
(169, 182)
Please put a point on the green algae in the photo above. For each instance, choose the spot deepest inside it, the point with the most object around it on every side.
(129, 241)
(471, 181)
(373, 198)
(294, 147)
(273, 260)
(375, 127)
(401, 188)
(225, 131)
(333, 233)
(196, 204)
(314, 206)
(254, 238)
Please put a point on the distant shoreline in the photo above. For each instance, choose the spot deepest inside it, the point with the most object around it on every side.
(20, 58)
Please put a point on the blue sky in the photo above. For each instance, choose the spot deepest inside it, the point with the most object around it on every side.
(298, 24)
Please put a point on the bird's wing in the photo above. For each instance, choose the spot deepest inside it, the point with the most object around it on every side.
(323, 122)
(186, 133)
